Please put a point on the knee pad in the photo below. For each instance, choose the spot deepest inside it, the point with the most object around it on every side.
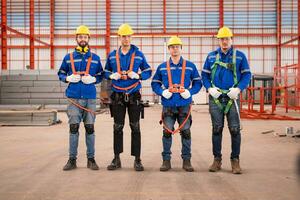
(135, 126)
(89, 128)
(186, 134)
(74, 128)
(118, 127)
(166, 134)
(234, 131)
(217, 130)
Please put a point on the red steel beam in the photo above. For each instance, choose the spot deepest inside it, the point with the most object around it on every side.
(4, 35)
(298, 70)
(31, 28)
(289, 41)
(164, 16)
(52, 34)
(107, 35)
(26, 36)
(278, 57)
(221, 13)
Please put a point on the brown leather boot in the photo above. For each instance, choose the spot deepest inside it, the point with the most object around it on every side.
(166, 165)
(216, 166)
(235, 165)
(187, 166)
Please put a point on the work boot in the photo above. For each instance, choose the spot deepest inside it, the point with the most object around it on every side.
(115, 163)
(138, 166)
(166, 165)
(216, 166)
(91, 163)
(187, 165)
(235, 165)
(71, 164)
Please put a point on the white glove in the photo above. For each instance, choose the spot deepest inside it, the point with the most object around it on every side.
(73, 78)
(133, 75)
(88, 79)
(234, 93)
(214, 92)
(115, 76)
(167, 94)
(186, 94)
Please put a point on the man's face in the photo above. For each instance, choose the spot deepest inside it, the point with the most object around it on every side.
(125, 40)
(82, 40)
(225, 43)
(175, 50)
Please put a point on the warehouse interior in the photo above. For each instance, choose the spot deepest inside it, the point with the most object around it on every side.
(37, 34)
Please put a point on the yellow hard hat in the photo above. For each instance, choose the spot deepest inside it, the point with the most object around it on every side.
(125, 29)
(174, 40)
(224, 32)
(82, 29)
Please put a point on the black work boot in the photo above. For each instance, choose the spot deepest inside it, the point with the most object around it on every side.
(216, 166)
(138, 166)
(91, 163)
(71, 164)
(115, 163)
(166, 165)
(187, 166)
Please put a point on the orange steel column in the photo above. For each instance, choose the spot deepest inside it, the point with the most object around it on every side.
(298, 69)
(278, 54)
(52, 33)
(164, 16)
(221, 13)
(107, 36)
(4, 35)
(31, 40)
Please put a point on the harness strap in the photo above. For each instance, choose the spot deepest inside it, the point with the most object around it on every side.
(230, 66)
(176, 88)
(87, 69)
(124, 73)
(81, 107)
(180, 126)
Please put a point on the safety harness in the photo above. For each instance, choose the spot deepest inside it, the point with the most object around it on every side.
(86, 72)
(124, 73)
(87, 69)
(230, 66)
(176, 88)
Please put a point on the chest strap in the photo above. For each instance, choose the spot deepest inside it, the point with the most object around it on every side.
(176, 88)
(87, 69)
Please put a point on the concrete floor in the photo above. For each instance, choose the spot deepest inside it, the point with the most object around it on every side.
(32, 158)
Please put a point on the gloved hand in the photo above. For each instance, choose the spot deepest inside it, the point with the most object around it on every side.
(186, 94)
(167, 94)
(88, 79)
(73, 78)
(214, 92)
(115, 76)
(133, 75)
(234, 93)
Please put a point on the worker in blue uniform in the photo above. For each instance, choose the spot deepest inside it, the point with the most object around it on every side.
(81, 69)
(126, 67)
(176, 80)
(225, 74)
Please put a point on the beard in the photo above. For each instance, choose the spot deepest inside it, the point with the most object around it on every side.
(82, 44)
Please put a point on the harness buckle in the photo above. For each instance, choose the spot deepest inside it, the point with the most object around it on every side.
(124, 75)
(176, 88)
(230, 66)
(126, 97)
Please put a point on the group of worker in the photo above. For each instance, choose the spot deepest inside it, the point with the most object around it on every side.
(224, 75)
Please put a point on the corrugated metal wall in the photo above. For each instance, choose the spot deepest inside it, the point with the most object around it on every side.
(253, 21)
